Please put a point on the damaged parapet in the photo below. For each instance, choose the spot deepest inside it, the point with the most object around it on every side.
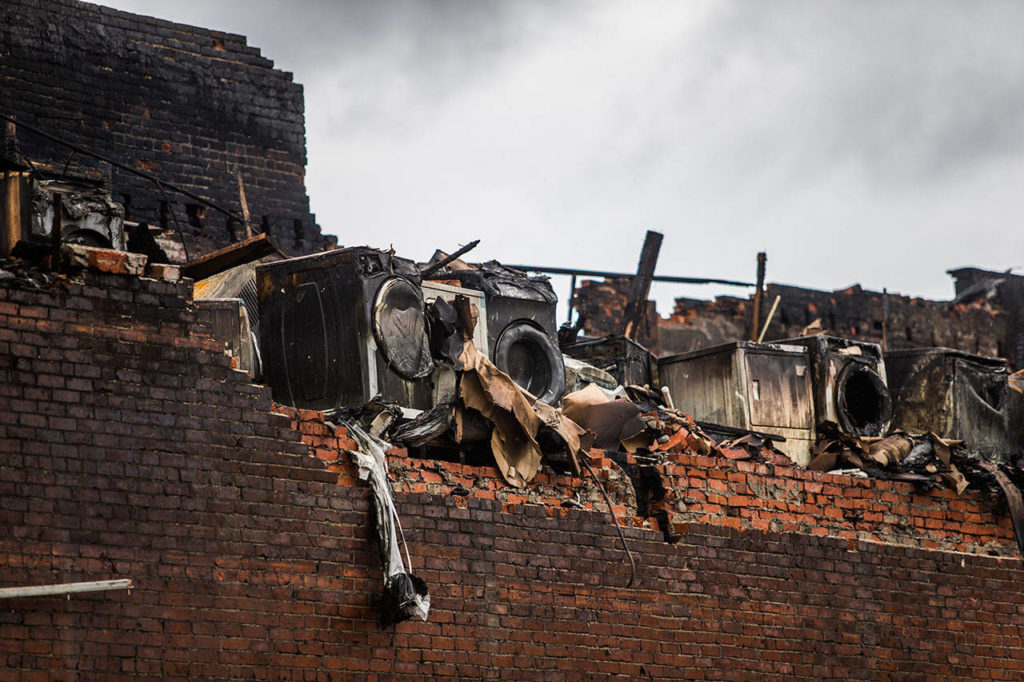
(751, 386)
(959, 396)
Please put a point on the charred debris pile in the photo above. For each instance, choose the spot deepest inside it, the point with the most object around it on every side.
(466, 362)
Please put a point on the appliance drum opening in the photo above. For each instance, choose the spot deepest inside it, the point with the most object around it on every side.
(863, 401)
(532, 360)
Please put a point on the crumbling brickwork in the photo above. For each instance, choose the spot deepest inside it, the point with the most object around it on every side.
(132, 449)
(186, 104)
(602, 305)
(977, 327)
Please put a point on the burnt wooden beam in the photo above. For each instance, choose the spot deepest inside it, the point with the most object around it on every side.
(431, 270)
(758, 296)
(231, 256)
(640, 286)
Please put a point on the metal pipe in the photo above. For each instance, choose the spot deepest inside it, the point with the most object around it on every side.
(431, 269)
(64, 588)
(602, 273)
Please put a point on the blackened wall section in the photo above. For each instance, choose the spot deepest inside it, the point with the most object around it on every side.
(984, 326)
(186, 104)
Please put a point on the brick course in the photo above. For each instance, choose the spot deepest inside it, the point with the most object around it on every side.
(131, 448)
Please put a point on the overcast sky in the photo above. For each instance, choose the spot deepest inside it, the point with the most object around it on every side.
(873, 142)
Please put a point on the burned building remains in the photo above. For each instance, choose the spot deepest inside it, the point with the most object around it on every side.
(230, 449)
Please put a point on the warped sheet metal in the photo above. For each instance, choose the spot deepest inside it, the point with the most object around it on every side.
(1013, 500)
(516, 418)
(405, 595)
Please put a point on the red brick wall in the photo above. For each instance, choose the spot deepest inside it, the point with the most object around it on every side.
(130, 448)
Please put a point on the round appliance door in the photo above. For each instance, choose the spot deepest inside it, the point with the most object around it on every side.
(400, 327)
(532, 359)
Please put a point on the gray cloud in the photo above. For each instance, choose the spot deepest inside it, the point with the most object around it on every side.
(877, 142)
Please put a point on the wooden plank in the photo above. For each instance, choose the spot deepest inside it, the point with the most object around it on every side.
(231, 256)
(64, 588)
(245, 204)
(10, 231)
(640, 287)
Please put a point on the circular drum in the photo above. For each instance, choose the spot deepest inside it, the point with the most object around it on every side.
(400, 328)
(863, 402)
(532, 359)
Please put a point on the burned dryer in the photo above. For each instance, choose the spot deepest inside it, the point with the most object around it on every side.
(522, 333)
(956, 395)
(763, 387)
(340, 327)
(849, 384)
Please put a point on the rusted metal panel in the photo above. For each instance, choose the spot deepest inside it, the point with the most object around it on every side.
(229, 320)
(750, 386)
(956, 395)
(248, 251)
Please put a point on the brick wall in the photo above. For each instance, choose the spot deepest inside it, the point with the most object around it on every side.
(982, 328)
(131, 448)
(183, 103)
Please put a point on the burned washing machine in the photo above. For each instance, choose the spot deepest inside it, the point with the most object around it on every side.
(522, 333)
(956, 395)
(849, 383)
(341, 327)
(764, 387)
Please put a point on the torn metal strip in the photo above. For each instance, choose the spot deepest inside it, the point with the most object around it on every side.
(1014, 500)
(405, 595)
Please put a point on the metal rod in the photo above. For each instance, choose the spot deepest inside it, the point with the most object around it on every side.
(128, 169)
(771, 314)
(56, 232)
(603, 273)
(572, 295)
(615, 519)
(431, 269)
(64, 588)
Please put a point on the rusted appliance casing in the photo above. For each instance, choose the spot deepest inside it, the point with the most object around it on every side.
(341, 327)
(521, 327)
(956, 395)
(848, 379)
(763, 387)
(229, 321)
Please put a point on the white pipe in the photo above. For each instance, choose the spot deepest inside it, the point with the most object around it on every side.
(64, 588)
